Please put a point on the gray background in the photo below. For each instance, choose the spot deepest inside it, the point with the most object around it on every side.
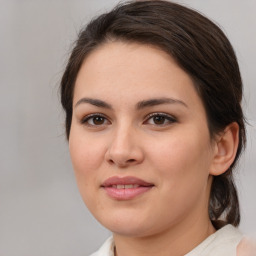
(41, 212)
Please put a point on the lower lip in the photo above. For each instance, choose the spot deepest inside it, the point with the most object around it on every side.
(126, 193)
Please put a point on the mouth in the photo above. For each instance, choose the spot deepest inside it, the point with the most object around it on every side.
(125, 188)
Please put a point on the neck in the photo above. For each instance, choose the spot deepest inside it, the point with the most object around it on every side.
(177, 241)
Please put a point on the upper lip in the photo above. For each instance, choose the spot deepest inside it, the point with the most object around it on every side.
(128, 180)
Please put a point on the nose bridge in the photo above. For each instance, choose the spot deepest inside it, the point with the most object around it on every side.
(122, 137)
(123, 147)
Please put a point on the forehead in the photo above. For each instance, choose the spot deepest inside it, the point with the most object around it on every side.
(129, 69)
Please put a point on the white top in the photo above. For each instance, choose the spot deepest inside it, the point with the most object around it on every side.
(222, 243)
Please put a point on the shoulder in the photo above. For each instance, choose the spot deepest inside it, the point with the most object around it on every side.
(222, 243)
(107, 249)
(247, 247)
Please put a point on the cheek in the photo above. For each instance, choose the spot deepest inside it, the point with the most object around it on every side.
(87, 156)
(182, 165)
(85, 151)
(183, 159)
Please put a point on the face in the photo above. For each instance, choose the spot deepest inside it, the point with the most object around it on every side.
(139, 141)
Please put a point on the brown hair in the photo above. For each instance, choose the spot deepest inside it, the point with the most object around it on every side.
(200, 48)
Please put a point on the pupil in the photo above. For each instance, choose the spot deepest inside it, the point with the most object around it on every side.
(159, 119)
(98, 120)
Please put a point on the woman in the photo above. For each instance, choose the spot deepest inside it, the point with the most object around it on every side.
(152, 94)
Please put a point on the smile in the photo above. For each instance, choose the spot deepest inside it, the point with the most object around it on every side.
(125, 188)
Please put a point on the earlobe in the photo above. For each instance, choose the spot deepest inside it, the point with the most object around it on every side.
(225, 149)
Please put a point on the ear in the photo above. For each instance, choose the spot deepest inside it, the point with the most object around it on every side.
(225, 149)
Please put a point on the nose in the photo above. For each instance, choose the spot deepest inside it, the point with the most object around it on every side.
(125, 148)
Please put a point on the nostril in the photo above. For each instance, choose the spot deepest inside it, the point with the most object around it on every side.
(122, 163)
(111, 161)
(131, 160)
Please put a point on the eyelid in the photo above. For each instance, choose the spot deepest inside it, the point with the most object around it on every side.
(169, 117)
(86, 118)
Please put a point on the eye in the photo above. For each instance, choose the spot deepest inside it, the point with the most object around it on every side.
(95, 120)
(160, 119)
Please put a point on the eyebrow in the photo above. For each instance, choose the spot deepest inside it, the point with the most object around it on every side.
(140, 105)
(159, 101)
(95, 102)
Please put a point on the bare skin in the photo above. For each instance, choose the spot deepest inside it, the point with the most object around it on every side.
(137, 114)
(247, 247)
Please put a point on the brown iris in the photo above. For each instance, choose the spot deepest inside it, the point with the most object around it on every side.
(98, 120)
(159, 119)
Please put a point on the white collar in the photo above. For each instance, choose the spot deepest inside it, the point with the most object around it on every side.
(222, 242)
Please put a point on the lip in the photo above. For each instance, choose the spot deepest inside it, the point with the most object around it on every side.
(125, 193)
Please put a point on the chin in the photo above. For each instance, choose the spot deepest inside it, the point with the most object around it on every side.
(130, 230)
(129, 225)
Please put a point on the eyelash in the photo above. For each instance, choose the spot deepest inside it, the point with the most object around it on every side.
(87, 118)
(170, 119)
